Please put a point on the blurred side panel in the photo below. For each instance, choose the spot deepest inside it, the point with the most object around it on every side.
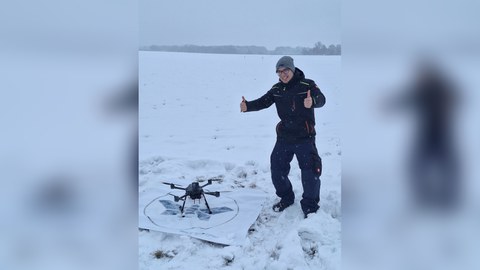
(409, 189)
(68, 115)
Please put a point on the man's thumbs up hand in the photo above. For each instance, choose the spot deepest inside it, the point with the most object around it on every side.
(243, 105)
(308, 101)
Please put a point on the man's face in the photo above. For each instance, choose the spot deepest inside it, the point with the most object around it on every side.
(285, 74)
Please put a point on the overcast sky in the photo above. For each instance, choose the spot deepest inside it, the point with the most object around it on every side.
(268, 23)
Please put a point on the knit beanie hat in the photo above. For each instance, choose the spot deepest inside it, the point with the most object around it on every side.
(286, 62)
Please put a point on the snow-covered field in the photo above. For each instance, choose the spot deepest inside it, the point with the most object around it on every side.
(190, 128)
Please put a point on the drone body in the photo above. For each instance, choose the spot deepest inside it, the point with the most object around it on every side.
(195, 192)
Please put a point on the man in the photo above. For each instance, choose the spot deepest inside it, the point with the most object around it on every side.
(433, 165)
(295, 98)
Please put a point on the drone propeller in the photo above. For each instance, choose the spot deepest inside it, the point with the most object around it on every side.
(173, 186)
(209, 181)
(216, 193)
(166, 183)
(181, 198)
(216, 179)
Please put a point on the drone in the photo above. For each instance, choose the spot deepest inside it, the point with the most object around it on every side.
(195, 192)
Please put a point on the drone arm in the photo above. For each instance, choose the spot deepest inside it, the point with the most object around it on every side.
(172, 186)
(208, 183)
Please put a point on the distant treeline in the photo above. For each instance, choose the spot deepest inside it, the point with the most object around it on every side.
(318, 49)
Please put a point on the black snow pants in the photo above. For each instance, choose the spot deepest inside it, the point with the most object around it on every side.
(310, 166)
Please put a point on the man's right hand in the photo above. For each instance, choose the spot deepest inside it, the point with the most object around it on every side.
(243, 105)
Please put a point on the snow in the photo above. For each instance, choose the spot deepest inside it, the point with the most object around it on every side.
(190, 128)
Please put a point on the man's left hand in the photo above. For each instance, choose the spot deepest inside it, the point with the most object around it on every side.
(308, 101)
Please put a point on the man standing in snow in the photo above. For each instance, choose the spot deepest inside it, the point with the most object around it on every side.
(295, 98)
(433, 165)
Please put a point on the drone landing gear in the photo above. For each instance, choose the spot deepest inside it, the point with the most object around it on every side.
(206, 203)
(182, 208)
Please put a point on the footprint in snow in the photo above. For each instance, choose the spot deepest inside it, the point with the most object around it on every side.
(309, 244)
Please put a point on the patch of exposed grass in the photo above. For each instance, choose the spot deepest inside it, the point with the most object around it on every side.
(160, 254)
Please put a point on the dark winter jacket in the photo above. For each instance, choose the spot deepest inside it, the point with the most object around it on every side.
(297, 122)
